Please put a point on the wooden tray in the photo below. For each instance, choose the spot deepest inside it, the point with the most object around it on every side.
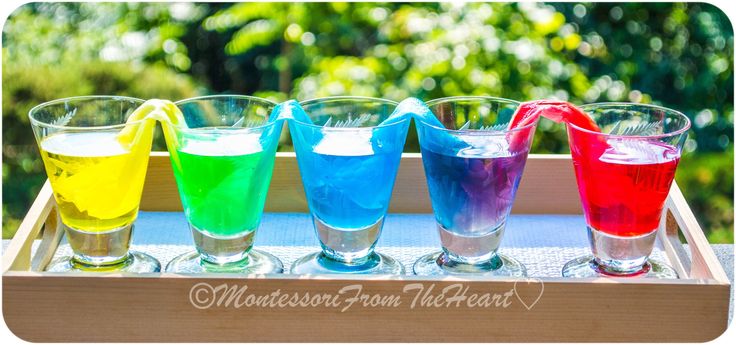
(44, 307)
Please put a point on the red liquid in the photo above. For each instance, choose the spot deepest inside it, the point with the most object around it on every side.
(622, 187)
(622, 184)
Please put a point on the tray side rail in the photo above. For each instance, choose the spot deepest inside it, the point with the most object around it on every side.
(41, 218)
(677, 217)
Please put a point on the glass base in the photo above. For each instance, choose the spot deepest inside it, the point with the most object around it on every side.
(99, 248)
(256, 262)
(622, 255)
(587, 267)
(222, 250)
(135, 262)
(440, 264)
(354, 245)
(319, 263)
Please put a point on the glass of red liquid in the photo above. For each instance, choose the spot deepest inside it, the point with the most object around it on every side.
(624, 174)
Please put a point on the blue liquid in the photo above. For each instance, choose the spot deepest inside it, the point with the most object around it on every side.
(348, 192)
(472, 196)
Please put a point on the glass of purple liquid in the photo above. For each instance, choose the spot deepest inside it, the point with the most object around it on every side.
(473, 166)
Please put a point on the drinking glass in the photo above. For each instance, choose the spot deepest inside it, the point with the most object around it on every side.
(473, 167)
(624, 174)
(348, 162)
(97, 178)
(223, 160)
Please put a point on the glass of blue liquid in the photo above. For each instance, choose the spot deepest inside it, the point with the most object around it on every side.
(473, 165)
(348, 162)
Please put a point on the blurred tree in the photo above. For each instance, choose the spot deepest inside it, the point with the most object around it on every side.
(56, 33)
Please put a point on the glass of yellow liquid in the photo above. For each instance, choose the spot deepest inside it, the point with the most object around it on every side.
(97, 177)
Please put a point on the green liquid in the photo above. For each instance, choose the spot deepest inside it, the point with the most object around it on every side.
(223, 195)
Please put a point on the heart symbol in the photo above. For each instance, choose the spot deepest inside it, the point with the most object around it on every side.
(537, 284)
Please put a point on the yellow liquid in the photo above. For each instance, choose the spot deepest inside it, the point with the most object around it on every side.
(97, 182)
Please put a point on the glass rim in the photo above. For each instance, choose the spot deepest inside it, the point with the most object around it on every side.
(235, 96)
(37, 122)
(349, 98)
(475, 132)
(677, 113)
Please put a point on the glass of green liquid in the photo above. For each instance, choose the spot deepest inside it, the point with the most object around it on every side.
(222, 156)
(97, 176)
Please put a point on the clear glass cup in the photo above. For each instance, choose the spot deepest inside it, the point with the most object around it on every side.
(97, 178)
(473, 167)
(624, 174)
(222, 161)
(348, 163)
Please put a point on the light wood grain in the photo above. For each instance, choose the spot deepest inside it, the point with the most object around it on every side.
(160, 310)
(547, 186)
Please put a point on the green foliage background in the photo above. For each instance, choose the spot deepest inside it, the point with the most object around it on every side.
(674, 54)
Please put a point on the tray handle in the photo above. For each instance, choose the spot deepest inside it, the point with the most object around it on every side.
(678, 217)
(52, 234)
(42, 215)
(669, 236)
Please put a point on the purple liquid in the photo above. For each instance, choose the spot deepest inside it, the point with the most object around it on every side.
(472, 196)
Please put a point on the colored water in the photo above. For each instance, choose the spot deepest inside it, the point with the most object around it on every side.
(623, 183)
(97, 182)
(223, 181)
(624, 189)
(472, 193)
(348, 185)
